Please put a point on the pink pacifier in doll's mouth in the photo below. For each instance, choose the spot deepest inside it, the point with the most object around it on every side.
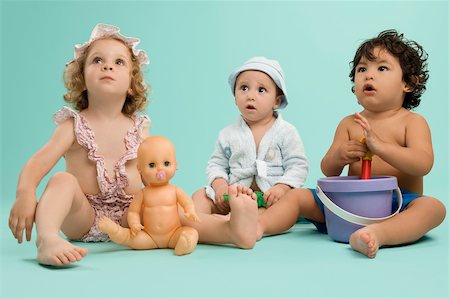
(161, 175)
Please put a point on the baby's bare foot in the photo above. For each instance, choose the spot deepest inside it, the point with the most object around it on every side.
(243, 219)
(365, 241)
(56, 251)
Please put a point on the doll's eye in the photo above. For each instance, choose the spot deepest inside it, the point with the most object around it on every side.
(120, 62)
(151, 165)
(167, 163)
(261, 90)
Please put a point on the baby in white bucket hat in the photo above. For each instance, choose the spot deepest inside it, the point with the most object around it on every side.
(271, 67)
(259, 152)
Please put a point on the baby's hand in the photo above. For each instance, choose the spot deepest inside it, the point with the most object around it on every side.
(136, 228)
(350, 151)
(220, 190)
(372, 140)
(22, 217)
(274, 194)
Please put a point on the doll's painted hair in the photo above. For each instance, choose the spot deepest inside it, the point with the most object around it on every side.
(76, 88)
(412, 58)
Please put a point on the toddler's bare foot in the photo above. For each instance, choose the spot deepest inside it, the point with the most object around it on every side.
(365, 241)
(187, 241)
(243, 219)
(56, 251)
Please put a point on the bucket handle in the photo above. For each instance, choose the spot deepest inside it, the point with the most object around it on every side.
(356, 219)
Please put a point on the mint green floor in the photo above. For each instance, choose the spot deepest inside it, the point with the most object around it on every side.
(299, 264)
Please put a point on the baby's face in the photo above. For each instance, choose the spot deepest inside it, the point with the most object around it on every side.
(379, 84)
(256, 96)
(157, 162)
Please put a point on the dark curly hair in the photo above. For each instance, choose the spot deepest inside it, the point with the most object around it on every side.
(412, 57)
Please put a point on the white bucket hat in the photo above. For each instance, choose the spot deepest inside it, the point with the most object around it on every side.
(101, 31)
(271, 67)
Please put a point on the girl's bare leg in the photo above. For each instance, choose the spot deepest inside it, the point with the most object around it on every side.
(419, 217)
(63, 206)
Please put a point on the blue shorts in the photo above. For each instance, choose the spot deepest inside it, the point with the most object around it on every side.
(408, 197)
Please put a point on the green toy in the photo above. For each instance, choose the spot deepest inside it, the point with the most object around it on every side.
(259, 200)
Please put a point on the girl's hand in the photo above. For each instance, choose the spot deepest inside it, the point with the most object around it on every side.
(274, 194)
(22, 217)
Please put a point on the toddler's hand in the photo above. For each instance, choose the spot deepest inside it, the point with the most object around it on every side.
(136, 228)
(350, 151)
(22, 217)
(274, 194)
(372, 140)
(221, 190)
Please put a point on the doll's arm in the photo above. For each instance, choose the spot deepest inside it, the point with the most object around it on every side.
(22, 212)
(134, 213)
(188, 205)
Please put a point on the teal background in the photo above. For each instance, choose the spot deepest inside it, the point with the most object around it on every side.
(193, 46)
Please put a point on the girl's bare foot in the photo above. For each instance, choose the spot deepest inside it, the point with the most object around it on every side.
(365, 241)
(243, 219)
(56, 251)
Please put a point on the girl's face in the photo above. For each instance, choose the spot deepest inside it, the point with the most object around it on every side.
(108, 68)
(379, 84)
(256, 96)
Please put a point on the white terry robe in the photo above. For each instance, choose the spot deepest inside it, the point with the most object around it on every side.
(280, 158)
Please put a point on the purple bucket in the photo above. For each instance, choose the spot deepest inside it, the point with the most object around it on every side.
(351, 203)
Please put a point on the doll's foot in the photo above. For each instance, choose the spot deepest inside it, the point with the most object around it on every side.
(365, 241)
(187, 241)
(55, 251)
(243, 219)
(108, 226)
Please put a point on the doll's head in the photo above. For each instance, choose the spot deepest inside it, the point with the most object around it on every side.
(74, 79)
(156, 161)
(412, 60)
(271, 68)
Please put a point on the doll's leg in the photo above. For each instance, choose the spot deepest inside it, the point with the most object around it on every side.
(419, 217)
(284, 214)
(122, 235)
(63, 206)
(238, 229)
(184, 240)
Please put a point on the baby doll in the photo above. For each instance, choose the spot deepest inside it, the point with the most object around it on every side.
(153, 214)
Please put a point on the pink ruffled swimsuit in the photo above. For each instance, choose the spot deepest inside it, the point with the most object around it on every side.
(112, 201)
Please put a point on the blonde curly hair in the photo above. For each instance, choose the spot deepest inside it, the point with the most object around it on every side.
(76, 88)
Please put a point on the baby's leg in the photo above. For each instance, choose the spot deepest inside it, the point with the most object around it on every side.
(63, 206)
(122, 236)
(238, 229)
(284, 214)
(184, 240)
(201, 202)
(419, 217)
